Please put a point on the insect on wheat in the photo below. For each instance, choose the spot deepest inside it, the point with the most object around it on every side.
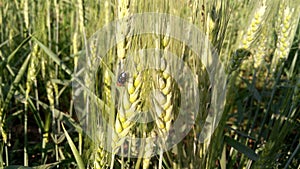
(122, 78)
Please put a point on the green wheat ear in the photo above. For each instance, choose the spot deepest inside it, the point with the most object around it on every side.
(163, 97)
(100, 156)
(237, 57)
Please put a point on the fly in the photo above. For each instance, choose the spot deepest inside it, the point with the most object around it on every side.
(122, 78)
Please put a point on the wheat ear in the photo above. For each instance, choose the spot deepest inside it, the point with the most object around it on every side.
(287, 27)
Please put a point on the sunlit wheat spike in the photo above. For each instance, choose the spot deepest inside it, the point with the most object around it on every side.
(163, 88)
(100, 158)
(285, 33)
(279, 17)
(262, 48)
(128, 109)
(100, 155)
(163, 108)
(252, 32)
(162, 97)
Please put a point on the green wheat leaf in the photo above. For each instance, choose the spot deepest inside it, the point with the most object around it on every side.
(53, 56)
(16, 82)
(242, 148)
(74, 150)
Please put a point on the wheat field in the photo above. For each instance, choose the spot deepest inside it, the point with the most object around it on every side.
(80, 89)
